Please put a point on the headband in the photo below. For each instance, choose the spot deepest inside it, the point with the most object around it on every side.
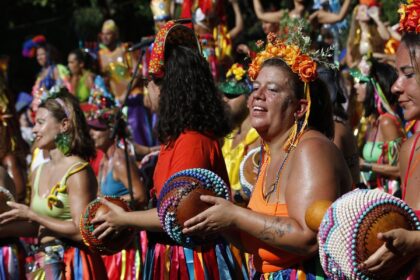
(171, 34)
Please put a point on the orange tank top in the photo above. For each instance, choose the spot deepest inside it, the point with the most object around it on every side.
(267, 258)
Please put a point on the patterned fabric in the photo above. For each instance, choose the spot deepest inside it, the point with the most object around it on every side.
(170, 34)
(352, 220)
(310, 270)
(60, 263)
(12, 260)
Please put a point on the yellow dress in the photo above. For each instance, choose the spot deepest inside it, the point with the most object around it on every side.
(234, 156)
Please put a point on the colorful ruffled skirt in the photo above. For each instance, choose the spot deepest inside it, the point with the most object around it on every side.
(212, 262)
(59, 262)
(310, 270)
(127, 264)
(12, 260)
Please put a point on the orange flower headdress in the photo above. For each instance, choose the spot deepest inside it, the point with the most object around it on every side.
(294, 51)
(410, 16)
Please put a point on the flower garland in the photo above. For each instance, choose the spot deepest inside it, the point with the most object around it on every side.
(294, 51)
(236, 70)
(410, 16)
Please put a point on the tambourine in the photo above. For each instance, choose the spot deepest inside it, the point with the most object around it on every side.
(348, 231)
(179, 201)
(248, 170)
(110, 244)
(5, 196)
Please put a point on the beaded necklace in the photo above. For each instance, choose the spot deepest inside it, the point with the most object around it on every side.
(274, 185)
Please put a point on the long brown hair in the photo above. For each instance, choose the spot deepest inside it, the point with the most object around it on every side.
(82, 144)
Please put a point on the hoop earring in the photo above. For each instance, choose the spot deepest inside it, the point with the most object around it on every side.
(63, 142)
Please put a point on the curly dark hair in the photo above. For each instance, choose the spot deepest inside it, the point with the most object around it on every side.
(82, 144)
(188, 98)
(385, 75)
(320, 117)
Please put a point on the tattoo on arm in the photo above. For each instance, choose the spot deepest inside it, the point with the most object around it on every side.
(274, 228)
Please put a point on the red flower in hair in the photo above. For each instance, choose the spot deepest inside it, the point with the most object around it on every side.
(410, 16)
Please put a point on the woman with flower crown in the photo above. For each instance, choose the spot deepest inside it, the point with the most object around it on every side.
(61, 189)
(402, 246)
(291, 111)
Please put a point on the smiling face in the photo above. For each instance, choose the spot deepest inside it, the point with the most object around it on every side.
(407, 87)
(41, 56)
(272, 104)
(46, 129)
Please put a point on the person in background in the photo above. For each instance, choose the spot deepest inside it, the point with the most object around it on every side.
(381, 127)
(113, 181)
(61, 190)
(402, 246)
(117, 65)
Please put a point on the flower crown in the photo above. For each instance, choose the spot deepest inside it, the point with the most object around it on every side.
(410, 16)
(294, 51)
(236, 82)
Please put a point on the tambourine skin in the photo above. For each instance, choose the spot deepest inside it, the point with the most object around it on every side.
(180, 200)
(348, 232)
(110, 244)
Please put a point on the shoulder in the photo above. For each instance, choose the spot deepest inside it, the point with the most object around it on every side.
(390, 127)
(407, 145)
(315, 143)
(195, 138)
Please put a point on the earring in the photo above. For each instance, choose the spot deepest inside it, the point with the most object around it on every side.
(63, 142)
(290, 142)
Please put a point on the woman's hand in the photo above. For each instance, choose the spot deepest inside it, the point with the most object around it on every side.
(399, 248)
(111, 222)
(217, 218)
(18, 212)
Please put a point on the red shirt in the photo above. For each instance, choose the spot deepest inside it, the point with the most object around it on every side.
(190, 150)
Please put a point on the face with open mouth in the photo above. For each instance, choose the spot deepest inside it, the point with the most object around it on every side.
(46, 129)
(407, 85)
(272, 103)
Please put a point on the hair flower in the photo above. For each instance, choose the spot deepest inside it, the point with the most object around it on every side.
(410, 16)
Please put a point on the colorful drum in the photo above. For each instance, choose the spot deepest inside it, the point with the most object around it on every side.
(179, 201)
(348, 232)
(110, 244)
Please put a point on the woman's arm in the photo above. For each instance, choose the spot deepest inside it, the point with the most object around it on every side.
(239, 22)
(315, 166)
(266, 16)
(390, 133)
(325, 17)
(382, 29)
(81, 188)
(120, 174)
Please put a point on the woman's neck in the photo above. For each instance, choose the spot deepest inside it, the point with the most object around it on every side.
(277, 142)
(110, 151)
(56, 156)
